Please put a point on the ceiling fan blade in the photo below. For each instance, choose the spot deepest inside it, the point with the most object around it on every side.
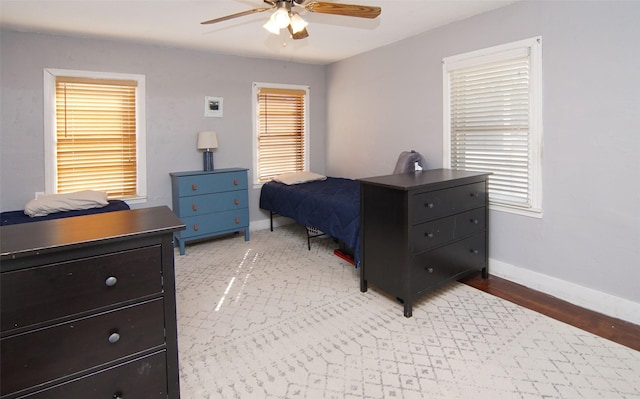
(236, 15)
(300, 35)
(348, 10)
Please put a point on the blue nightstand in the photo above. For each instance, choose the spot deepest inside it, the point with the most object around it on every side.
(210, 203)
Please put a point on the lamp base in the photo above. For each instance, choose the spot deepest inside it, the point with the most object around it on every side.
(207, 160)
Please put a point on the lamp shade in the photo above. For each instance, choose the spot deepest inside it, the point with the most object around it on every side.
(207, 140)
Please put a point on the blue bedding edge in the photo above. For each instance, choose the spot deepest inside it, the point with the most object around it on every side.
(18, 217)
(332, 205)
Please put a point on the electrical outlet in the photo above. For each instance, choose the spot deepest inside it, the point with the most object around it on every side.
(39, 194)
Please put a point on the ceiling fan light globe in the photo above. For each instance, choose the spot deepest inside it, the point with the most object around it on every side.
(271, 27)
(297, 23)
(280, 18)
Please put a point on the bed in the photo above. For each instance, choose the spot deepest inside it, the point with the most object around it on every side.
(18, 217)
(331, 206)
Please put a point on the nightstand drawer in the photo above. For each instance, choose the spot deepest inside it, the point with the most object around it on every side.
(432, 268)
(145, 377)
(439, 203)
(440, 231)
(42, 355)
(40, 294)
(210, 203)
(215, 222)
(212, 183)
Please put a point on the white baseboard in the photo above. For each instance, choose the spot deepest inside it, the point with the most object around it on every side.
(266, 224)
(588, 298)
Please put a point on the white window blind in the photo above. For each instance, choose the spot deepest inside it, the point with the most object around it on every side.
(492, 124)
(96, 136)
(281, 130)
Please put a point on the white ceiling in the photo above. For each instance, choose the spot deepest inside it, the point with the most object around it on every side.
(177, 23)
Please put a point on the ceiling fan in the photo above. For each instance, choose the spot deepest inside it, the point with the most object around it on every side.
(285, 15)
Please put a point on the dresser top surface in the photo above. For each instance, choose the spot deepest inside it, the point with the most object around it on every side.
(436, 177)
(52, 235)
(207, 172)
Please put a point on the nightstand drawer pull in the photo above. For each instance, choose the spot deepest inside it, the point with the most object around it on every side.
(236, 201)
(235, 182)
(428, 235)
(474, 221)
(194, 187)
(237, 220)
(429, 269)
(195, 227)
(114, 337)
(111, 281)
(474, 251)
(117, 395)
(429, 204)
(194, 207)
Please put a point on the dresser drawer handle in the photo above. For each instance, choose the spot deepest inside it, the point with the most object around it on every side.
(117, 395)
(474, 221)
(429, 205)
(474, 194)
(195, 227)
(428, 235)
(474, 251)
(237, 220)
(194, 207)
(114, 337)
(429, 269)
(236, 202)
(235, 182)
(194, 187)
(111, 281)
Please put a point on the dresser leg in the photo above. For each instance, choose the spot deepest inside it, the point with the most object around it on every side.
(485, 273)
(408, 309)
(363, 285)
(246, 234)
(181, 244)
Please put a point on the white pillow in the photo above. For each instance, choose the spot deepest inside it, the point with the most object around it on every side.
(66, 202)
(298, 177)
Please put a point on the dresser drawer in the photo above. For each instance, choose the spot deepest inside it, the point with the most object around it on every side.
(432, 268)
(43, 355)
(144, 378)
(440, 231)
(215, 222)
(439, 203)
(210, 203)
(49, 292)
(212, 183)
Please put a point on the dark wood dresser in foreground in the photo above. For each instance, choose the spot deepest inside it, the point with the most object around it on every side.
(88, 307)
(422, 230)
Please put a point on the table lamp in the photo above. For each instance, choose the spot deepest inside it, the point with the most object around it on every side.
(207, 141)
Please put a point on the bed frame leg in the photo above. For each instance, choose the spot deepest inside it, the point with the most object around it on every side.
(271, 219)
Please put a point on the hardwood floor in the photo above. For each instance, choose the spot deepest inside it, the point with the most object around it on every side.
(613, 329)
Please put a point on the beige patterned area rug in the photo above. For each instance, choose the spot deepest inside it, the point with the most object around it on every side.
(270, 319)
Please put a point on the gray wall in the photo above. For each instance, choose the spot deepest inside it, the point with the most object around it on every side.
(590, 230)
(176, 81)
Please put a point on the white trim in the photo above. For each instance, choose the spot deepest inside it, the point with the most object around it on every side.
(49, 81)
(585, 297)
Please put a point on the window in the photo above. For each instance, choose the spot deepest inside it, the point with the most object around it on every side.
(492, 122)
(280, 130)
(95, 138)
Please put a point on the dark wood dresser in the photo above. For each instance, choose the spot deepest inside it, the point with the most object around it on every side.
(88, 307)
(422, 230)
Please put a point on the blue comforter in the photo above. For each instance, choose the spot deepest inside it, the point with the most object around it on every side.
(18, 217)
(331, 205)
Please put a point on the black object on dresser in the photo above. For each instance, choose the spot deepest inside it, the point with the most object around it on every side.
(88, 307)
(422, 230)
